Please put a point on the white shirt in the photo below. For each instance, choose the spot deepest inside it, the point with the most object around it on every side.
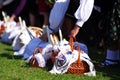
(60, 7)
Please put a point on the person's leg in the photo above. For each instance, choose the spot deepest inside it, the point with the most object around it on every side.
(45, 18)
(57, 14)
(112, 55)
(68, 24)
(32, 19)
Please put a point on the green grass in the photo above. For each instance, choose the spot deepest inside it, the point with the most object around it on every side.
(14, 68)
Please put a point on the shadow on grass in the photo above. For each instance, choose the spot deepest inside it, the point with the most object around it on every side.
(7, 49)
(10, 56)
(48, 67)
(111, 71)
(97, 57)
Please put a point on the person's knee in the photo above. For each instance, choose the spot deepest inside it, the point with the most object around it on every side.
(83, 47)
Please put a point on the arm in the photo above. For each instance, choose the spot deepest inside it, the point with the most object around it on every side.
(18, 9)
(57, 14)
(82, 15)
(84, 11)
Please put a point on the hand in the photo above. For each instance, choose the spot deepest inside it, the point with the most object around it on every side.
(12, 18)
(75, 31)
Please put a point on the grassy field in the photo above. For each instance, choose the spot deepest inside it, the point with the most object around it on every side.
(14, 68)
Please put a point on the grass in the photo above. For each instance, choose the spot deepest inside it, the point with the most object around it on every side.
(14, 68)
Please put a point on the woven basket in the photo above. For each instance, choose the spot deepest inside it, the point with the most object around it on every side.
(33, 61)
(78, 67)
(54, 42)
(53, 56)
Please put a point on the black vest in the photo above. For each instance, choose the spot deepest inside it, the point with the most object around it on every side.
(73, 6)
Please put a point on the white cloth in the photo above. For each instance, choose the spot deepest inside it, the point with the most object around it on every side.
(60, 7)
(14, 32)
(26, 36)
(21, 51)
(31, 46)
(40, 59)
(66, 57)
(1, 22)
(16, 43)
(6, 33)
(84, 11)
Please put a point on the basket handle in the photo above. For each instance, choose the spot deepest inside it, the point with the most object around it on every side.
(79, 50)
(71, 42)
(35, 51)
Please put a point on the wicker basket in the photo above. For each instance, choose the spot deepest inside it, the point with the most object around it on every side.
(53, 56)
(78, 67)
(33, 61)
(2, 28)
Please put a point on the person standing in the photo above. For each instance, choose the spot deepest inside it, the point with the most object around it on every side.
(44, 10)
(112, 35)
(81, 13)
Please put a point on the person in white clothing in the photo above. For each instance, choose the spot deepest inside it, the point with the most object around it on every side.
(79, 9)
(82, 13)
